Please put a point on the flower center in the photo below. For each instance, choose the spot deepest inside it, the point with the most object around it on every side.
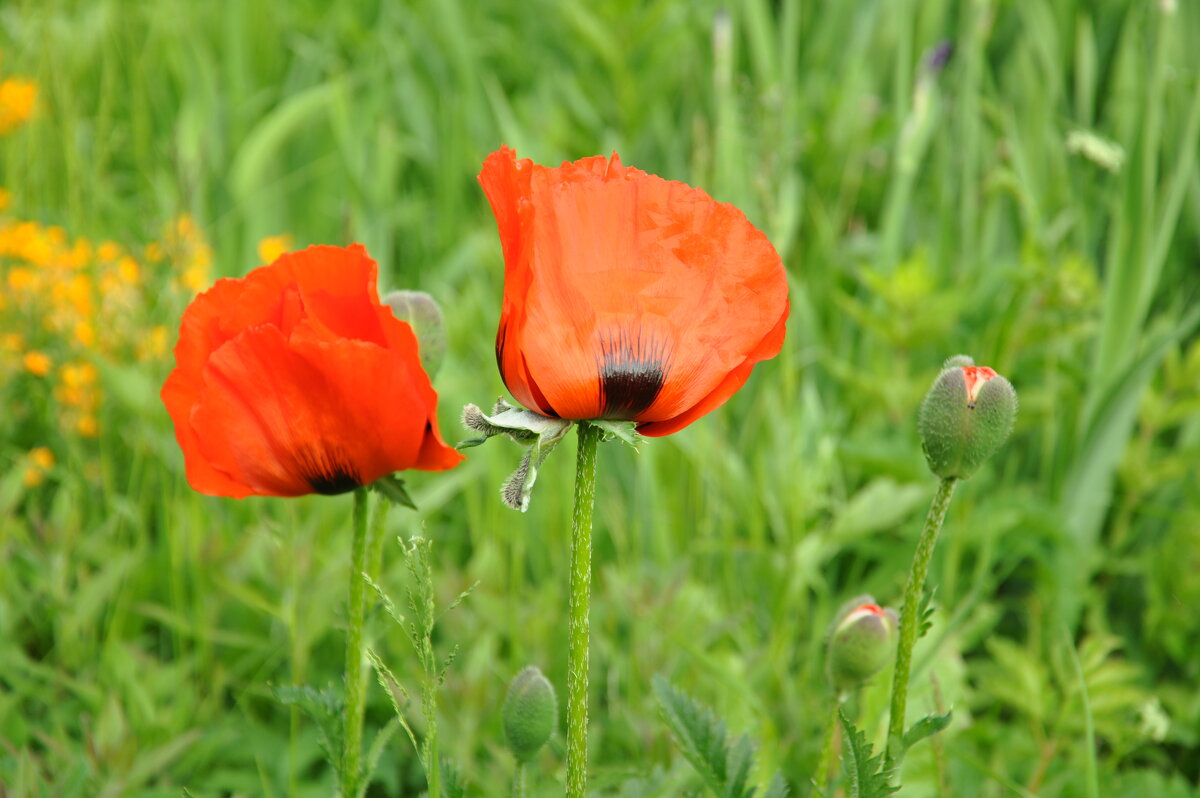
(633, 366)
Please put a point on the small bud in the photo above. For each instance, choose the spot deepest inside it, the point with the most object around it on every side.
(862, 639)
(530, 713)
(422, 313)
(966, 416)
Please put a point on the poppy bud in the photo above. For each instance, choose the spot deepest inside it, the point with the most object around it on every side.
(862, 638)
(530, 712)
(966, 416)
(422, 313)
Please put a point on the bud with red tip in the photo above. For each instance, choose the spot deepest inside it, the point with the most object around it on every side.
(861, 639)
(966, 416)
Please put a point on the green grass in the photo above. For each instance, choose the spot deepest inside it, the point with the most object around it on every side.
(920, 215)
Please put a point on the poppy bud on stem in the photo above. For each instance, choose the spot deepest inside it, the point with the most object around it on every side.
(966, 416)
(530, 712)
(859, 644)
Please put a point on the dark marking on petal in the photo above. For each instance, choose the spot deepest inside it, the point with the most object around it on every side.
(327, 472)
(633, 367)
(501, 336)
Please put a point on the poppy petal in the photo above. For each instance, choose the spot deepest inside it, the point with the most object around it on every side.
(286, 419)
(735, 379)
(642, 294)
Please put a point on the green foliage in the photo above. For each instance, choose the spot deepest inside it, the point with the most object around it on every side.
(324, 707)
(441, 775)
(724, 765)
(865, 774)
(925, 727)
(140, 623)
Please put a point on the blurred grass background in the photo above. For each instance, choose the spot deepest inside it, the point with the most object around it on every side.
(1034, 203)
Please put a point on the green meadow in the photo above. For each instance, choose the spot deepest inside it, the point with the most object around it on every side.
(1033, 201)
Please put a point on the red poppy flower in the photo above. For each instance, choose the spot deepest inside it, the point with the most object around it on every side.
(627, 296)
(295, 379)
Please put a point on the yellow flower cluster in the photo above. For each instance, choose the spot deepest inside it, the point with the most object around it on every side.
(17, 99)
(67, 305)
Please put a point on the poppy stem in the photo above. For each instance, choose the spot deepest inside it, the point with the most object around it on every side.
(909, 622)
(581, 591)
(355, 686)
(821, 777)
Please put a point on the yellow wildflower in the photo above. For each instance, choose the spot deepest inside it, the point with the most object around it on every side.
(37, 363)
(20, 278)
(128, 271)
(5, 199)
(87, 426)
(40, 460)
(154, 252)
(85, 334)
(42, 457)
(195, 277)
(153, 345)
(108, 251)
(17, 98)
(185, 226)
(272, 247)
(79, 294)
(12, 342)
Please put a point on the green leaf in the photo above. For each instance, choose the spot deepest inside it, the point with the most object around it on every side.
(324, 707)
(724, 766)
(624, 431)
(393, 488)
(865, 773)
(925, 727)
(452, 784)
(925, 613)
(395, 693)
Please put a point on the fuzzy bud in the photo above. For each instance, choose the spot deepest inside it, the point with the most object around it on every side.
(861, 640)
(422, 313)
(966, 416)
(530, 713)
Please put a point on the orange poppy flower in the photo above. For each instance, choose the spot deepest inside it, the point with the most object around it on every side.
(627, 296)
(295, 379)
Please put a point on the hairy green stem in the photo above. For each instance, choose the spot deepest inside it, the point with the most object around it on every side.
(518, 790)
(355, 686)
(581, 589)
(909, 622)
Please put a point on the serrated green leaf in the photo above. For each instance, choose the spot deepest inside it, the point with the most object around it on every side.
(698, 732)
(452, 784)
(724, 767)
(865, 773)
(324, 707)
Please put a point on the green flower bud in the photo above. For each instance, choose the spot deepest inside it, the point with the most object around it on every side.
(530, 713)
(422, 313)
(862, 638)
(966, 416)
